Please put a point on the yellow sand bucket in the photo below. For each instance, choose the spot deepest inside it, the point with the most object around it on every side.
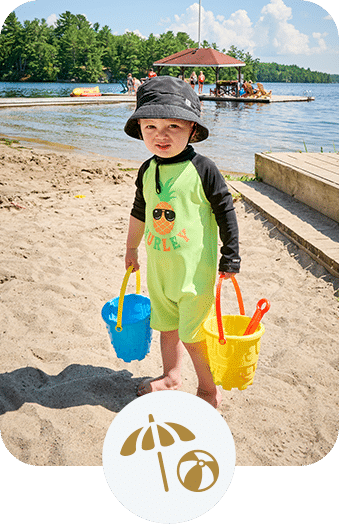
(233, 360)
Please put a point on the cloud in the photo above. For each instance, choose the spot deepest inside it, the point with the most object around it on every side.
(52, 19)
(136, 32)
(237, 30)
(273, 32)
(164, 21)
(274, 28)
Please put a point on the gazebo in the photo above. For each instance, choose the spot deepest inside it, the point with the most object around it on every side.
(199, 57)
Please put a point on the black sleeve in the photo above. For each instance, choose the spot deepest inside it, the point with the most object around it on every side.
(221, 201)
(139, 204)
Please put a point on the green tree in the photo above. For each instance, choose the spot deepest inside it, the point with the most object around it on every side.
(249, 71)
(40, 52)
(12, 63)
(79, 53)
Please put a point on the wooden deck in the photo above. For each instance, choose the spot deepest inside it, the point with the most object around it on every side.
(261, 100)
(6, 103)
(311, 178)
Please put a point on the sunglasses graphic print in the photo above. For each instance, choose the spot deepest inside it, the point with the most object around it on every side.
(163, 214)
(169, 214)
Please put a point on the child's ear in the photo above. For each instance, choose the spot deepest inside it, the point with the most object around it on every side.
(139, 129)
(193, 132)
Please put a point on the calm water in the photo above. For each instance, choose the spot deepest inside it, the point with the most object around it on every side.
(237, 130)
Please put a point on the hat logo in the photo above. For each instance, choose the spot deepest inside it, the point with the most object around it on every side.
(188, 102)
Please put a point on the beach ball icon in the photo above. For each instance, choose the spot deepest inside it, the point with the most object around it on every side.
(198, 470)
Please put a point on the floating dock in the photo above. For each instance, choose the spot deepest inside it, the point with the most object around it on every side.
(259, 100)
(7, 103)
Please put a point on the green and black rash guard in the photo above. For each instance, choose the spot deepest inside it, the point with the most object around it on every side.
(182, 200)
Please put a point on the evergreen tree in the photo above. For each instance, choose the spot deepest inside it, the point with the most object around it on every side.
(40, 53)
(12, 63)
(76, 49)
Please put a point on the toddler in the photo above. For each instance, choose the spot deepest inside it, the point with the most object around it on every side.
(181, 203)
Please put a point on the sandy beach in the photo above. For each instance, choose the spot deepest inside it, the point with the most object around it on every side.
(64, 219)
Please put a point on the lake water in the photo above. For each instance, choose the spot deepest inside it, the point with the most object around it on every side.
(237, 130)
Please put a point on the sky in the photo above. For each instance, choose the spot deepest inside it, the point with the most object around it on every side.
(284, 31)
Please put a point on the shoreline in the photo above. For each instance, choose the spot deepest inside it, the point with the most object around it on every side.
(58, 147)
(62, 259)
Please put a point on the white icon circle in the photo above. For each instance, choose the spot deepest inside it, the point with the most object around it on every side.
(168, 457)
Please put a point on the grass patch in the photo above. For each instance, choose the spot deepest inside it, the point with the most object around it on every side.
(238, 176)
(8, 141)
(236, 197)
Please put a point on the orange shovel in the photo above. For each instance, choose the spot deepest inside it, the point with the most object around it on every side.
(262, 307)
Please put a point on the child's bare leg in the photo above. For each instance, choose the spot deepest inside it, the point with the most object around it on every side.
(172, 351)
(207, 390)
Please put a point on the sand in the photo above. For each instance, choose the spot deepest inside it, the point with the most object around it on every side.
(62, 258)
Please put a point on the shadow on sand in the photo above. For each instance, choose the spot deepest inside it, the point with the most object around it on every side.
(76, 385)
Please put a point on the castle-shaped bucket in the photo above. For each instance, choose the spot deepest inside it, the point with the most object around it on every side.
(127, 319)
(233, 355)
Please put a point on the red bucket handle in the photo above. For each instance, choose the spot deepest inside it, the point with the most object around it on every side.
(222, 339)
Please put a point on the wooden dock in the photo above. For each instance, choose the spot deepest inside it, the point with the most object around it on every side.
(7, 103)
(300, 196)
(311, 178)
(260, 100)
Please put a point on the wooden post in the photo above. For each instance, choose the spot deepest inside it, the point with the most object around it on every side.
(217, 74)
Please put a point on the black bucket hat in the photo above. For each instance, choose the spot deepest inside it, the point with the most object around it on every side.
(167, 97)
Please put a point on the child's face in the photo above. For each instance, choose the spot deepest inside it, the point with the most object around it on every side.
(165, 137)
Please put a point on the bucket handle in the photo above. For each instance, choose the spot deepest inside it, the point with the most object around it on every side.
(118, 327)
(222, 339)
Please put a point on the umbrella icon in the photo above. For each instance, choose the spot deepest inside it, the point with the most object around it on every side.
(165, 437)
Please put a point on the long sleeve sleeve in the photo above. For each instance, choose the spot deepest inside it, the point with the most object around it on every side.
(139, 204)
(221, 201)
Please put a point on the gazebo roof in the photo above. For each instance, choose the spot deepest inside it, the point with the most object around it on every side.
(204, 57)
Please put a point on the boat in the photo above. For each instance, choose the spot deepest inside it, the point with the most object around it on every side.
(86, 91)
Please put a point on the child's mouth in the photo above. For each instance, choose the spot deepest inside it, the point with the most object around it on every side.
(163, 147)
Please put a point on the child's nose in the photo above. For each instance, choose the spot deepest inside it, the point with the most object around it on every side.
(162, 132)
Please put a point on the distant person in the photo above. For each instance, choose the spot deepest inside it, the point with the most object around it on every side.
(242, 91)
(130, 85)
(151, 73)
(136, 84)
(193, 79)
(201, 80)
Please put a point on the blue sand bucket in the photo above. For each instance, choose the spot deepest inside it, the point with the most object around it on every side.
(127, 318)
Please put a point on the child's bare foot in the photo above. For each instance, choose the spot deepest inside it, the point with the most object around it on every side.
(150, 385)
(213, 398)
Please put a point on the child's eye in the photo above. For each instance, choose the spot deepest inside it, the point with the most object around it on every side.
(174, 126)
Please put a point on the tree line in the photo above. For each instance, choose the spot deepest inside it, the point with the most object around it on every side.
(272, 72)
(76, 50)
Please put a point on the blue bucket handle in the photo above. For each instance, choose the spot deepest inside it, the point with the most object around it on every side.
(118, 327)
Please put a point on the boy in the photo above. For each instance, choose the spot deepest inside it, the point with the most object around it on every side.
(181, 200)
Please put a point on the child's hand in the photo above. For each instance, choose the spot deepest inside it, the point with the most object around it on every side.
(131, 259)
(226, 275)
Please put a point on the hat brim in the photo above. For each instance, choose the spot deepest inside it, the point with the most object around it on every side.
(156, 111)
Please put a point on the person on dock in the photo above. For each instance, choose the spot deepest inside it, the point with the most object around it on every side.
(151, 73)
(193, 79)
(201, 80)
(180, 228)
(130, 86)
(136, 84)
